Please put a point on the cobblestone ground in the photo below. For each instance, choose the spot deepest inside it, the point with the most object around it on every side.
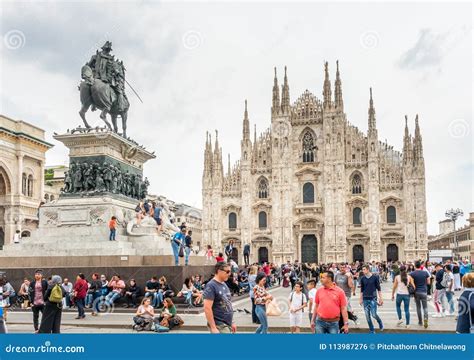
(120, 322)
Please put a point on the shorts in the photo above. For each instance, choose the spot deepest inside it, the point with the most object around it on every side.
(158, 221)
(296, 319)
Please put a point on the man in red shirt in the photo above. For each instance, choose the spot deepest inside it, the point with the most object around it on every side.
(80, 292)
(330, 302)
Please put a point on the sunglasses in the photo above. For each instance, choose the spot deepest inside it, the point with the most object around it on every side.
(226, 271)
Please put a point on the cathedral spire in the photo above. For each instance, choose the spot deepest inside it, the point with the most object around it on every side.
(228, 164)
(338, 89)
(246, 125)
(276, 95)
(216, 150)
(418, 146)
(285, 96)
(407, 144)
(326, 88)
(372, 122)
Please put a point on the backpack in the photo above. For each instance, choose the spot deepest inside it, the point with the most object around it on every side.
(303, 298)
(445, 281)
(56, 295)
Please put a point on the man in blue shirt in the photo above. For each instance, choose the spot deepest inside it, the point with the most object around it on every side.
(421, 279)
(369, 289)
(176, 242)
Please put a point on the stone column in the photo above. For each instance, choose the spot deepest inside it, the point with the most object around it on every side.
(41, 193)
(19, 175)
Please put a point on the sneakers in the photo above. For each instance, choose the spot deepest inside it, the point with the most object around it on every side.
(438, 315)
(400, 323)
(425, 324)
(407, 326)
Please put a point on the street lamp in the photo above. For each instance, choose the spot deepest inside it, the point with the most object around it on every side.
(453, 215)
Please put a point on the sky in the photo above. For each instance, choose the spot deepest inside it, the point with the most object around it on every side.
(194, 64)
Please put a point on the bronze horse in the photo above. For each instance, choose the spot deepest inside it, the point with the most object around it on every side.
(100, 95)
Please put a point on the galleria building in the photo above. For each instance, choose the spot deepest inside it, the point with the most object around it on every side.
(315, 188)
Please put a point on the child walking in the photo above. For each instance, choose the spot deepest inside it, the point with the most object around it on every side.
(113, 228)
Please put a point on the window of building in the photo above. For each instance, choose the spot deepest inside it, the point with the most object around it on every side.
(356, 184)
(308, 147)
(263, 188)
(357, 216)
(308, 193)
(30, 185)
(232, 221)
(262, 220)
(23, 184)
(391, 215)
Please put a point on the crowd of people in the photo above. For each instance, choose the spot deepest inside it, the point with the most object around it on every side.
(324, 291)
(329, 307)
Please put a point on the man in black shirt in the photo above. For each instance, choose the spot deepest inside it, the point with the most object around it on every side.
(188, 242)
(440, 292)
(246, 254)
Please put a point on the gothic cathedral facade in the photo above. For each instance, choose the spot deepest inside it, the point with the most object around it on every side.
(315, 188)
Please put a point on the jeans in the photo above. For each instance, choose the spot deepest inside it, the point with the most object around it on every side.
(112, 297)
(326, 327)
(406, 307)
(112, 234)
(421, 299)
(187, 251)
(370, 309)
(36, 310)
(80, 306)
(449, 297)
(254, 315)
(95, 301)
(261, 312)
(160, 297)
(175, 248)
(153, 296)
(440, 300)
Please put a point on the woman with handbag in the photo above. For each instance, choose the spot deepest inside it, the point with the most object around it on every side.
(261, 297)
(167, 313)
(404, 286)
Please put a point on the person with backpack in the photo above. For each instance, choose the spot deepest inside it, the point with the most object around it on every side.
(440, 291)
(53, 307)
(177, 243)
(297, 302)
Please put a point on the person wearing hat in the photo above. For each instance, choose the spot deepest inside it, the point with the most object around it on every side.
(36, 293)
(51, 319)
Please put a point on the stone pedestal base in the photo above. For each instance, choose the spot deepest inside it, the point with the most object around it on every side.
(78, 226)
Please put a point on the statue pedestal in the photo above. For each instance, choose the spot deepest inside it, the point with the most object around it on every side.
(76, 224)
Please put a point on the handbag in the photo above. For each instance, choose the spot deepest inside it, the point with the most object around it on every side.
(273, 309)
(181, 252)
(411, 289)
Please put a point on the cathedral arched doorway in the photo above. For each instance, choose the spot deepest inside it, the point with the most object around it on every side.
(235, 255)
(309, 249)
(392, 252)
(262, 254)
(358, 253)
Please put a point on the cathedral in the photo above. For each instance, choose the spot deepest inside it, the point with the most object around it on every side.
(315, 188)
